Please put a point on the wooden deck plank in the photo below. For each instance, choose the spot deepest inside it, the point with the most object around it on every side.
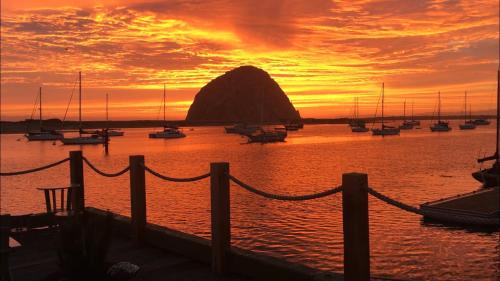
(483, 203)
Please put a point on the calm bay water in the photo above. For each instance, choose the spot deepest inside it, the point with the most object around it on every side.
(416, 167)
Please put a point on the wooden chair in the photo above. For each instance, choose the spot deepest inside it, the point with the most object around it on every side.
(51, 193)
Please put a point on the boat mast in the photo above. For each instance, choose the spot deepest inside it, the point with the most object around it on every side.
(80, 102)
(107, 115)
(439, 107)
(465, 108)
(40, 97)
(404, 111)
(164, 100)
(498, 115)
(382, 105)
(412, 116)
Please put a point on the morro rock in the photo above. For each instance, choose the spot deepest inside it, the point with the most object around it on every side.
(244, 94)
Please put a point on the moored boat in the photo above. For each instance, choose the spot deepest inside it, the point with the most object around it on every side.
(385, 130)
(169, 132)
(468, 124)
(83, 137)
(357, 125)
(440, 125)
(266, 136)
(491, 177)
(242, 129)
(42, 134)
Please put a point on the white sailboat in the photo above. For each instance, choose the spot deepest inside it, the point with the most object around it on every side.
(440, 126)
(468, 124)
(384, 130)
(111, 132)
(357, 125)
(169, 132)
(83, 137)
(407, 124)
(262, 135)
(42, 134)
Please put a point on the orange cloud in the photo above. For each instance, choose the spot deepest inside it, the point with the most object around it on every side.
(321, 52)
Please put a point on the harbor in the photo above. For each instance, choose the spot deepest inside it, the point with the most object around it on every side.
(182, 206)
(219, 253)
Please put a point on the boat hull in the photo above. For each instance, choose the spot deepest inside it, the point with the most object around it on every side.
(467, 126)
(162, 135)
(487, 177)
(359, 129)
(268, 137)
(385, 132)
(83, 140)
(43, 137)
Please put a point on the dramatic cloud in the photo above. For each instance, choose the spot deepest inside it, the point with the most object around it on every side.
(321, 52)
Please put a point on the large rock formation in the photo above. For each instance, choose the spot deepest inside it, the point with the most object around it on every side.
(244, 94)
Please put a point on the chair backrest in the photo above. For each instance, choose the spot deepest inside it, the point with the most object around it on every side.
(51, 196)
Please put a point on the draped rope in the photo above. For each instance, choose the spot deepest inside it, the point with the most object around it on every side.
(286, 197)
(34, 170)
(163, 177)
(457, 218)
(109, 175)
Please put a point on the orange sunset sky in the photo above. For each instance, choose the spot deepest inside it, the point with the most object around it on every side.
(321, 52)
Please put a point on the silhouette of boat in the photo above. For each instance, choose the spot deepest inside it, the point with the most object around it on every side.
(42, 134)
(169, 132)
(266, 136)
(491, 177)
(111, 132)
(83, 137)
(242, 129)
(440, 126)
(407, 124)
(293, 126)
(468, 124)
(357, 125)
(385, 130)
(481, 122)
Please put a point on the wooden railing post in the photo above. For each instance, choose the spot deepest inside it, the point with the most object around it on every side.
(77, 180)
(137, 196)
(221, 226)
(355, 221)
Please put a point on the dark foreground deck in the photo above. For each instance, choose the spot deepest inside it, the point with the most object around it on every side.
(37, 260)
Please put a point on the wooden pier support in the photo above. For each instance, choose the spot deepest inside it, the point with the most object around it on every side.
(137, 196)
(221, 225)
(355, 220)
(77, 180)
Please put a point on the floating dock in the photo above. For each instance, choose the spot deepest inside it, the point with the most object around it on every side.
(476, 206)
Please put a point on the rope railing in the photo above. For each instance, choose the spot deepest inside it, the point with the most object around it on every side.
(458, 218)
(163, 177)
(104, 174)
(285, 197)
(35, 169)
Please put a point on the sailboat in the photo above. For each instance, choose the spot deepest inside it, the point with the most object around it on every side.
(357, 125)
(169, 132)
(407, 124)
(468, 124)
(83, 137)
(262, 135)
(384, 130)
(42, 134)
(111, 132)
(491, 177)
(440, 126)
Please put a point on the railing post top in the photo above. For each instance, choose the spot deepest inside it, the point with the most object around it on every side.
(75, 153)
(219, 164)
(354, 174)
(136, 157)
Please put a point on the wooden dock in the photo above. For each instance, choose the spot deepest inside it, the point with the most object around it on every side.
(480, 204)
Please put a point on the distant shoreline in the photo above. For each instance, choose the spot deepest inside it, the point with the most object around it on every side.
(16, 127)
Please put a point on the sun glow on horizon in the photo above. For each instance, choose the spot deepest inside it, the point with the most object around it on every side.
(322, 53)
